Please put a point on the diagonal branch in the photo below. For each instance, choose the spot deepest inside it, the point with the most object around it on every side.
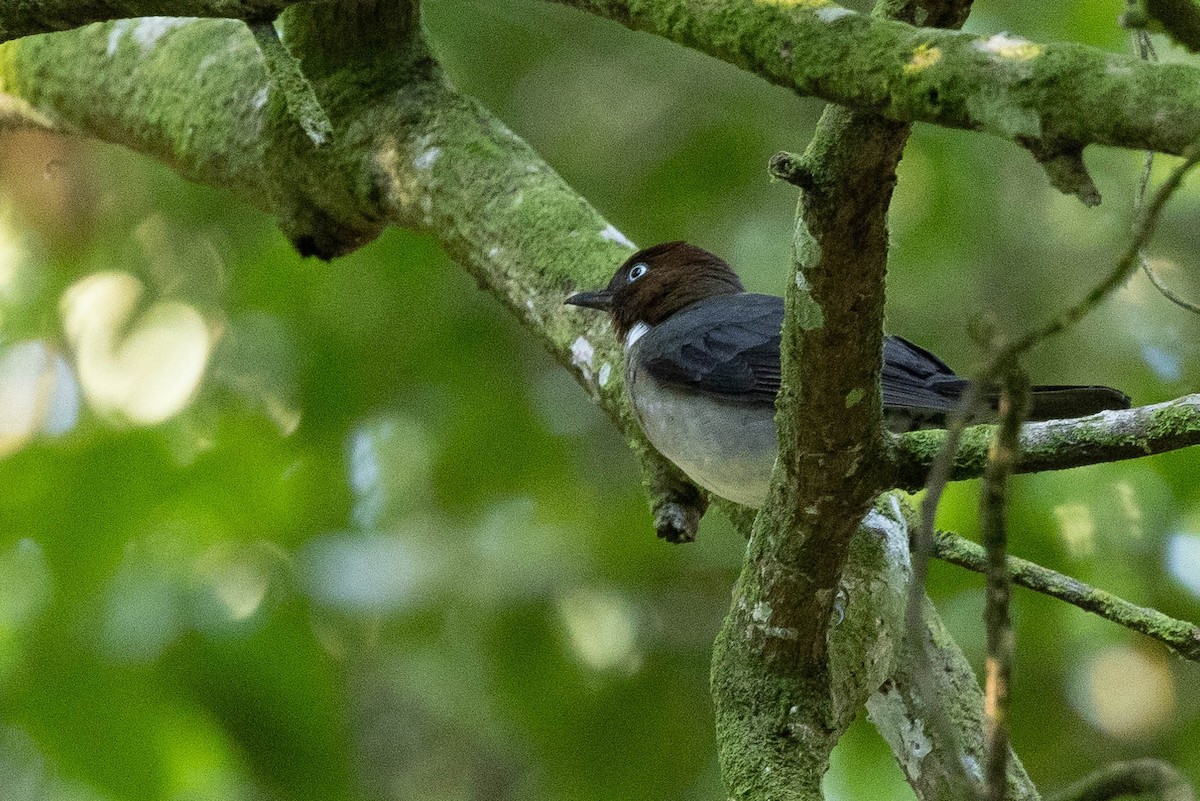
(31, 17)
(934, 758)
(829, 417)
(408, 151)
(1178, 635)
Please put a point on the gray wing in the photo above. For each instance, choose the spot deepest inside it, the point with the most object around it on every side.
(913, 378)
(729, 346)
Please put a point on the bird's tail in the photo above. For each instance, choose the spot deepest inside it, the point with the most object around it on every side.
(1054, 402)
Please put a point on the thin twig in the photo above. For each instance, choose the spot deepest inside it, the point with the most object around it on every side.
(1166, 290)
(1180, 636)
(1014, 404)
(1146, 52)
(1139, 777)
(1147, 221)
(943, 464)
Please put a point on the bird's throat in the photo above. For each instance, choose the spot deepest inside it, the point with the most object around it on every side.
(638, 331)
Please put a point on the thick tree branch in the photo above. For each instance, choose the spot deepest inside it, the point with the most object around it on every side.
(29, 17)
(1178, 635)
(1058, 444)
(1053, 98)
(408, 150)
(785, 752)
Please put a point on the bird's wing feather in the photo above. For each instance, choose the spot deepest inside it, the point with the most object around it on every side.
(729, 346)
(913, 378)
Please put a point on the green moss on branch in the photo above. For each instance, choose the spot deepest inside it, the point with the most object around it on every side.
(1178, 635)
(774, 644)
(28, 17)
(1058, 444)
(776, 726)
(1057, 96)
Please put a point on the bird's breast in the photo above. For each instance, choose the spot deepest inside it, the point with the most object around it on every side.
(724, 446)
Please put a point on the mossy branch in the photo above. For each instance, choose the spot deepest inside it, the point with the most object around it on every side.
(770, 744)
(1057, 97)
(829, 416)
(1057, 444)
(1180, 636)
(28, 17)
(410, 151)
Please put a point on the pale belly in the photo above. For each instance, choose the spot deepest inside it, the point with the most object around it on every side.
(728, 450)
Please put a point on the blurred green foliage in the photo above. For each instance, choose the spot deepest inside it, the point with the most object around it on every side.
(387, 550)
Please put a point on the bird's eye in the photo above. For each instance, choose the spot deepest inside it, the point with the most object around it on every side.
(637, 272)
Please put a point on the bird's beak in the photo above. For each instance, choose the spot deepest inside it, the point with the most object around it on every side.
(601, 300)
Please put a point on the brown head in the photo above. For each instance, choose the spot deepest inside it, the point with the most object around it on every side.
(656, 282)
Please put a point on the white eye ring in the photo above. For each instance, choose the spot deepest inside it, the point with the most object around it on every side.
(636, 272)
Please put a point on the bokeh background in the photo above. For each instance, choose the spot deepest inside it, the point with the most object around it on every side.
(279, 529)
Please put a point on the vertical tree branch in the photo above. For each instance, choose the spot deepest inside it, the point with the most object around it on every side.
(994, 514)
(772, 654)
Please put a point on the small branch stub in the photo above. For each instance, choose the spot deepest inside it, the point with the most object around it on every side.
(677, 510)
(791, 168)
(1064, 167)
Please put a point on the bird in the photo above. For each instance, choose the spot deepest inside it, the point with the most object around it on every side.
(702, 370)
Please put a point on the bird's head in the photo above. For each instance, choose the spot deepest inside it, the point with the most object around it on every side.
(656, 282)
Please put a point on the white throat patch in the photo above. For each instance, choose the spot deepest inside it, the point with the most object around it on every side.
(638, 331)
